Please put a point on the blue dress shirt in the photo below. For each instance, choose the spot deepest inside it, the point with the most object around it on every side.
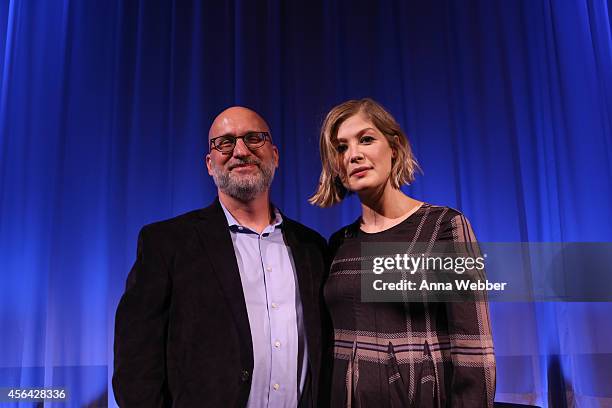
(274, 308)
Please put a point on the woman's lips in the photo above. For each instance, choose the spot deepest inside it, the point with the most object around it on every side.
(360, 172)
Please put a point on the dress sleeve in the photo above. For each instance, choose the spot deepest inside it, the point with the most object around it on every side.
(472, 354)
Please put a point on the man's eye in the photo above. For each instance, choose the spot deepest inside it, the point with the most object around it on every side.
(254, 138)
(341, 148)
(225, 141)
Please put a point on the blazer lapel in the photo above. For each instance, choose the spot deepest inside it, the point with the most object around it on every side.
(217, 242)
(301, 260)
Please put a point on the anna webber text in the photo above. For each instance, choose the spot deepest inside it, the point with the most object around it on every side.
(461, 285)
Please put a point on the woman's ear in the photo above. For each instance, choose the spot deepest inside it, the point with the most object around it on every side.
(394, 148)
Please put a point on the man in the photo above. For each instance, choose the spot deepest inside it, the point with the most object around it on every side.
(223, 306)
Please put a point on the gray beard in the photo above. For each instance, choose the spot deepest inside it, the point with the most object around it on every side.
(247, 187)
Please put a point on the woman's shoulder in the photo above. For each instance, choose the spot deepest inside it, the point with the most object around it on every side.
(348, 231)
(444, 210)
(451, 223)
(430, 220)
(442, 213)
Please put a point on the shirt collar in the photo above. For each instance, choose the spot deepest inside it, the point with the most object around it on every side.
(235, 225)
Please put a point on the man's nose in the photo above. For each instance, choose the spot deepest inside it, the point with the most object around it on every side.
(241, 149)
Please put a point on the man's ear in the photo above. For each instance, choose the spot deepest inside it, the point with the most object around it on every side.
(275, 153)
(208, 162)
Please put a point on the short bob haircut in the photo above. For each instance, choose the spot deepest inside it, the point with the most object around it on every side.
(331, 189)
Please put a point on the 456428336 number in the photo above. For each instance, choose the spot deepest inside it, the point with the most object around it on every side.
(9, 394)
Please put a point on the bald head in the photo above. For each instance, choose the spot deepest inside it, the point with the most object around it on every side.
(237, 120)
(246, 171)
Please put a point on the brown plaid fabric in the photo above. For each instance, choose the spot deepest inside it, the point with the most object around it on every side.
(412, 354)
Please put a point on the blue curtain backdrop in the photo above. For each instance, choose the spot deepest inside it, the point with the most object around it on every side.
(105, 106)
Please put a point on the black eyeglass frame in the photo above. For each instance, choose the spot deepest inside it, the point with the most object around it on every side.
(212, 145)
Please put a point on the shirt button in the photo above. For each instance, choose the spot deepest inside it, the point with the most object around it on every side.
(240, 228)
(269, 269)
(277, 344)
(276, 387)
(274, 306)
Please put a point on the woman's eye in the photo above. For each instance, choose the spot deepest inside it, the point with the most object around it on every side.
(367, 139)
(341, 148)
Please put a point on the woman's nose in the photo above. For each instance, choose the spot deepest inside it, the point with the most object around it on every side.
(355, 154)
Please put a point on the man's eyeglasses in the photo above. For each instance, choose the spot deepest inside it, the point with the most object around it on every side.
(252, 140)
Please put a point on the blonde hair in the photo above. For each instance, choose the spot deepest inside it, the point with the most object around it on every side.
(331, 190)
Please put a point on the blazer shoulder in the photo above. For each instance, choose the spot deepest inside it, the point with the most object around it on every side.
(339, 235)
(177, 222)
(172, 231)
(305, 233)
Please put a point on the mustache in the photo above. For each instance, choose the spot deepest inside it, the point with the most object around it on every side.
(240, 162)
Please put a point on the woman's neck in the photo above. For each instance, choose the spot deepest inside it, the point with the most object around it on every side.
(385, 209)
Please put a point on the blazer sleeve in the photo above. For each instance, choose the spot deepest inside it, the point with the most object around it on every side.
(139, 378)
(473, 381)
(327, 334)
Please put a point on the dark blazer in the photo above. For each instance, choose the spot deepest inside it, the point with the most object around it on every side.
(182, 335)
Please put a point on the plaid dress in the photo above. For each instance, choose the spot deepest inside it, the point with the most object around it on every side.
(412, 354)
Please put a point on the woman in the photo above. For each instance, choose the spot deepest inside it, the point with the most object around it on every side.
(413, 354)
